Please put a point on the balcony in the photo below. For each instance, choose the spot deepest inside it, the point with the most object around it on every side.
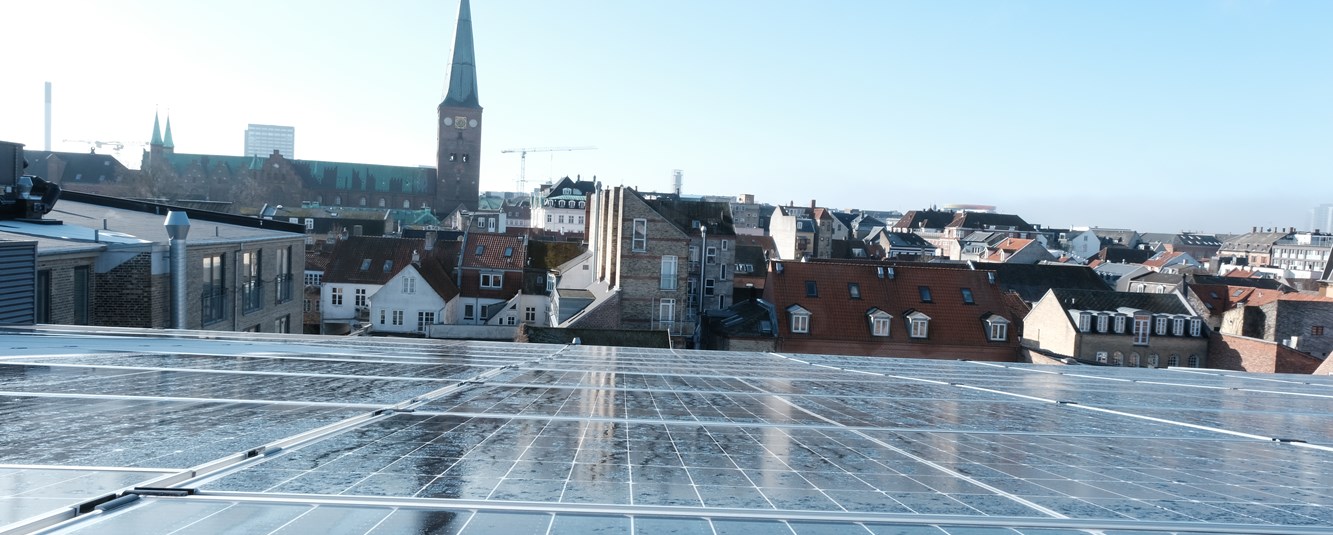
(213, 305)
(284, 286)
(252, 296)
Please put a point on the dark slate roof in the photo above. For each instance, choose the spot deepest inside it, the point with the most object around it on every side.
(1031, 281)
(1160, 278)
(462, 83)
(1070, 299)
(750, 317)
(687, 215)
(985, 220)
(1123, 255)
(78, 167)
(1111, 236)
(927, 219)
(550, 255)
(846, 218)
(1254, 241)
(907, 240)
(1266, 284)
(370, 252)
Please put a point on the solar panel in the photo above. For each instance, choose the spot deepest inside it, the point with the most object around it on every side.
(328, 435)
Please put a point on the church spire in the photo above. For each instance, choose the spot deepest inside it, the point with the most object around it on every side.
(167, 142)
(157, 131)
(461, 88)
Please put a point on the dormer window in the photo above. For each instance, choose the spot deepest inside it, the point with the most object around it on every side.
(1178, 326)
(800, 319)
(1196, 327)
(1103, 321)
(1084, 321)
(919, 324)
(1161, 326)
(1141, 329)
(1119, 324)
(997, 328)
(879, 322)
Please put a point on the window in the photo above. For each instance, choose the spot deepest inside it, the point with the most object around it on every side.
(313, 279)
(1161, 325)
(310, 223)
(709, 286)
(409, 285)
(800, 319)
(492, 280)
(1117, 359)
(726, 244)
(82, 294)
(336, 296)
(284, 278)
(560, 219)
(252, 287)
(549, 218)
(639, 238)
(1172, 361)
(1119, 324)
(920, 324)
(879, 322)
(1141, 331)
(215, 291)
(388, 266)
(1153, 360)
(510, 320)
(398, 317)
(1103, 321)
(668, 275)
(44, 296)
(925, 293)
(468, 312)
(424, 319)
(383, 314)
(811, 289)
(530, 314)
(722, 272)
(1101, 357)
(967, 296)
(1134, 360)
(307, 306)
(1084, 322)
(480, 249)
(1196, 327)
(1178, 326)
(997, 329)
(1193, 361)
(666, 313)
(359, 297)
(854, 290)
(710, 255)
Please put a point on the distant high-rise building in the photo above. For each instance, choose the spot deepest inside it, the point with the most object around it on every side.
(263, 139)
(1321, 218)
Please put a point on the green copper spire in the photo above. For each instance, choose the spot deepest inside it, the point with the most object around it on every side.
(168, 143)
(157, 132)
(461, 88)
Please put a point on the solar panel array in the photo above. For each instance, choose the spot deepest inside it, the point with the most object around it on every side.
(379, 436)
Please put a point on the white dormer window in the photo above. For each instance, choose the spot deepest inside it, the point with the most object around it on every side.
(997, 329)
(1084, 321)
(1102, 322)
(1161, 326)
(920, 324)
(800, 319)
(1119, 324)
(1196, 327)
(1178, 326)
(879, 322)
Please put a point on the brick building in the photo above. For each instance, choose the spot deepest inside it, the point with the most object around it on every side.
(1117, 328)
(1300, 321)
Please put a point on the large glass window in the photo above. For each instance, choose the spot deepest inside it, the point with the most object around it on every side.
(252, 287)
(284, 278)
(639, 241)
(213, 301)
(424, 319)
(1141, 331)
(668, 281)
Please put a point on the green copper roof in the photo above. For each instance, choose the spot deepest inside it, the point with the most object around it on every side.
(168, 143)
(461, 91)
(157, 131)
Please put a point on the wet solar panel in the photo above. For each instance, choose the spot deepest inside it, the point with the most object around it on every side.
(327, 435)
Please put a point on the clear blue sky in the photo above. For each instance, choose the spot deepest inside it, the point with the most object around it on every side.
(1158, 115)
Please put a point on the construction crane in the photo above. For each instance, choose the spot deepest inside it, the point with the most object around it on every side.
(116, 146)
(523, 160)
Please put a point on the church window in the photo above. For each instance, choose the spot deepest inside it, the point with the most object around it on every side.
(383, 202)
(453, 156)
(466, 157)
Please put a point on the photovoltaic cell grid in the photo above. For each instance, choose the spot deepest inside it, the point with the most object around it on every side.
(388, 436)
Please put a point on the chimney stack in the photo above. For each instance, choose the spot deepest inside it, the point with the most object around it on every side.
(812, 204)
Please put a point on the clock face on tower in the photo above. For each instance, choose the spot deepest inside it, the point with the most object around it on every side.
(460, 122)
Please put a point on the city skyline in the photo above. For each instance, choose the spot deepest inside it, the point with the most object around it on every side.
(1208, 115)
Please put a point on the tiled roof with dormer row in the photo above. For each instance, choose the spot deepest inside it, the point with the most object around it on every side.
(838, 315)
(370, 259)
(1095, 300)
(925, 219)
(989, 221)
(495, 251)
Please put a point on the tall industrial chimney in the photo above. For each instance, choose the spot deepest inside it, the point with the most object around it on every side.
(48, 117)
(678, 177)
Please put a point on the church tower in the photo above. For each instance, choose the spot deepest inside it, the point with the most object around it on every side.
(459, 153)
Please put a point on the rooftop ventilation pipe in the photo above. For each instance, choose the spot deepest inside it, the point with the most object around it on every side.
(178, 227)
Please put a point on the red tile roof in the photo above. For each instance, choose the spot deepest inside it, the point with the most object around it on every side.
(837, 315)
(370, 259)
(493, 248)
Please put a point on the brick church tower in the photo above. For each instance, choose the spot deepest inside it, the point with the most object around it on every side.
(459, 154)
